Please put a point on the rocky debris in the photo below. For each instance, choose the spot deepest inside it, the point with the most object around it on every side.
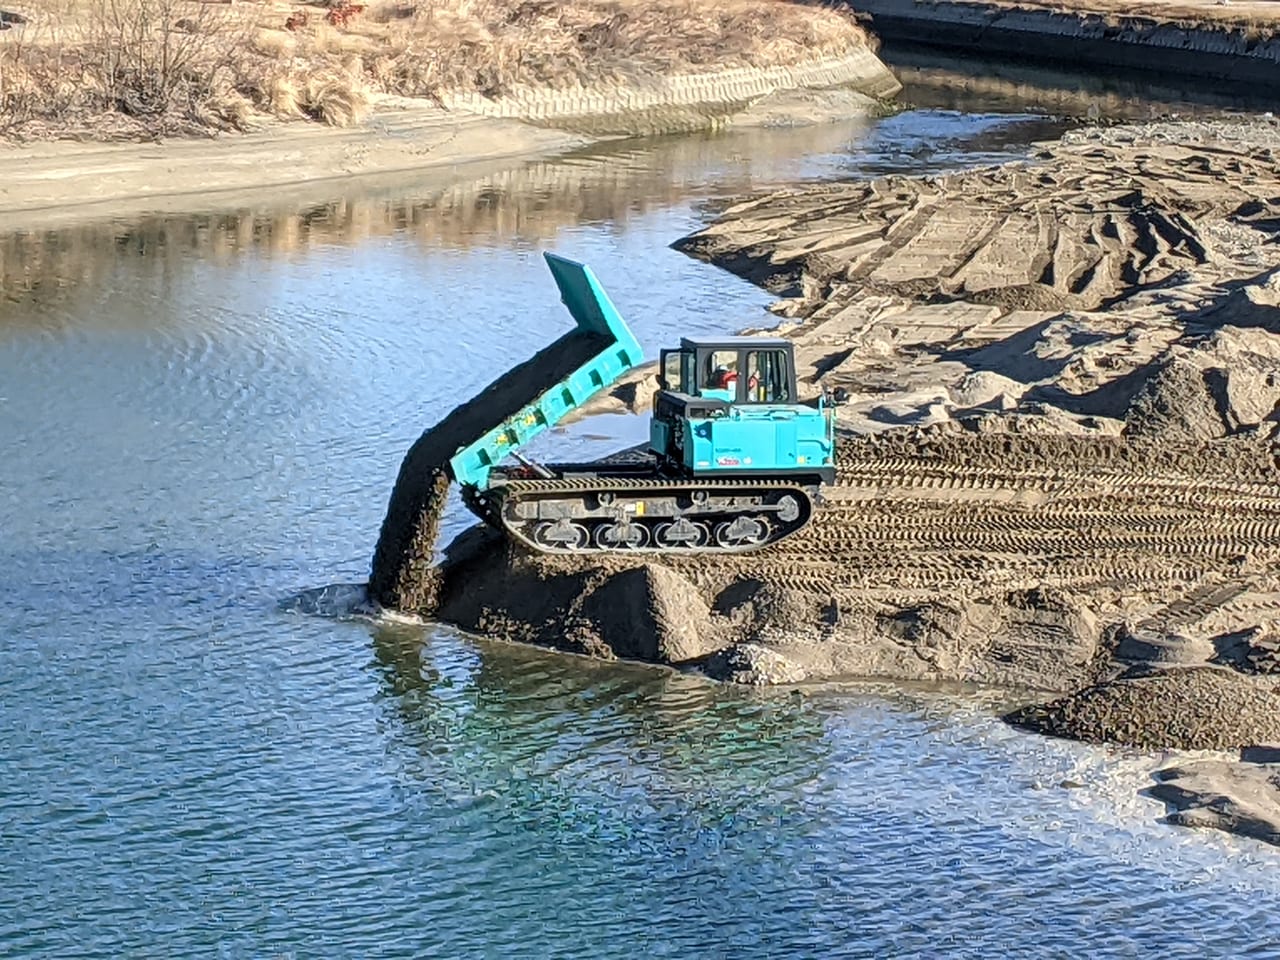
(1241, 798)
(1203, 708)
(754, 665)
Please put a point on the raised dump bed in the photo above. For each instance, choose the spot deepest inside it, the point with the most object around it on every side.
(579, 365)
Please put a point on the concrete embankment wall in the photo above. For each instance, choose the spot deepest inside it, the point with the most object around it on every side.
(682, 102)
(1228, 54)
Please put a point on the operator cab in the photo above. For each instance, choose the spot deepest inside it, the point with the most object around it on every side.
(731, 407)
(731, 370)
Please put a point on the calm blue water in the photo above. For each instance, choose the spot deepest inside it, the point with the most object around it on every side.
(202, 417)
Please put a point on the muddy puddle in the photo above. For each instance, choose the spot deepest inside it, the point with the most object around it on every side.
(204, 415)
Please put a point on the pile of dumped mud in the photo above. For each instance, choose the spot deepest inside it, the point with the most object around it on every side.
(947, 553)
(1200, 708)
(1063, 399)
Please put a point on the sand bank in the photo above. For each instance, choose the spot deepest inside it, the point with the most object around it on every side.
(1061, 406)
(1058, 466)
(1239, 797)
(45, 184)
(1236, 44)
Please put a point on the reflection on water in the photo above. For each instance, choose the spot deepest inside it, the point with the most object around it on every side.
(530, 205)
(203, 416)
(662, 813)
(935, 80)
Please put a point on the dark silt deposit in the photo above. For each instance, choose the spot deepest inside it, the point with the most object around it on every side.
(404, 577)
(1197, 708)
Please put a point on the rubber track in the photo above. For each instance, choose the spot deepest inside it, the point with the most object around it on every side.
(944, 513)
(588, 484)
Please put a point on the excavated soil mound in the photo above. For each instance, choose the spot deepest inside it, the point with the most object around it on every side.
(1194, 709)
(606, 606)
(1086, 223)
(969, 552)
(404, 577)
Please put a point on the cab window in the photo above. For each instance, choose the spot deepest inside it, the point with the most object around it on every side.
(720, 371)
(673, 369)
(688, 371)
(767, 377)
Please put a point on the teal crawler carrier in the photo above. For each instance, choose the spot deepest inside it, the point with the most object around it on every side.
(735, 461)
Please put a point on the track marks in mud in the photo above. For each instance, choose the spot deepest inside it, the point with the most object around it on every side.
(946, 511)
(1087, 225)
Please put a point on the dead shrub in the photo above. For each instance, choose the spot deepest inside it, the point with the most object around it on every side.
(492, 45)
(130, 67)
(338, 97)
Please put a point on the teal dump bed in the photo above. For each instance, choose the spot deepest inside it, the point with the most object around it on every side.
(540, 392)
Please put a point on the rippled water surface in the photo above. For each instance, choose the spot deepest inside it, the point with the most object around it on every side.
(201, 418)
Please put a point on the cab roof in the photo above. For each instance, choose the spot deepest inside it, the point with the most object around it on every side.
(733, 343)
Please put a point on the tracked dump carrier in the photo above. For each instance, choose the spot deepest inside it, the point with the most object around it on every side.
(734, 462)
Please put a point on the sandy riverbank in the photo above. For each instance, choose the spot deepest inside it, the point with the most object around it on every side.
(49, 183)
(1060, 467)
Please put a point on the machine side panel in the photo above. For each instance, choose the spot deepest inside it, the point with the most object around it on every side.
(783, 438)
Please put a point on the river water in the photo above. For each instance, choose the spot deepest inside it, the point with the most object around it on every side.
(201, 418)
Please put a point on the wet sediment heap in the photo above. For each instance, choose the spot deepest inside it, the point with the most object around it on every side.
(1060, 436)
(404, 575)
(1058, 466)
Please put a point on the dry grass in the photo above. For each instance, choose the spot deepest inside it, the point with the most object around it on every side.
(492, 45)
(128, 68)
(135, 68)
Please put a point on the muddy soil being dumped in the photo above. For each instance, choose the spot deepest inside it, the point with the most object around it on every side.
(404, 575)
(1058, 465)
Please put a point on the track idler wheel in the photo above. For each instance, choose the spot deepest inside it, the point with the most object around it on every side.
(621, 536)
(561, 535)
(742, 532)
